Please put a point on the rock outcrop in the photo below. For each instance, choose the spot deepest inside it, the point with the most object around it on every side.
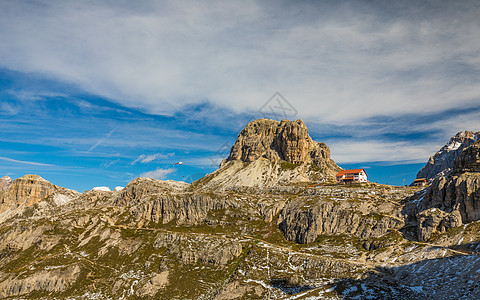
(187, 208)
(5, 183)
(304, 223)
(57, 280)
(32, 189)
(441, 162)
(26, 190)
(469, 161)
(454, 200)
(269, 153)
(207, 250)
(141, 187)
(285, 140)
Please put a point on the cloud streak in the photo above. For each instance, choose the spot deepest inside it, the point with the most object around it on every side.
(102, 140)
(143, 158)
(25, 162)
(158, 173)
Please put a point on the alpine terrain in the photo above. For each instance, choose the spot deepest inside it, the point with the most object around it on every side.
(270, 223)
(441, 163)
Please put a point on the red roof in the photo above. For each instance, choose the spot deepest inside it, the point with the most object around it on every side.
(354, 171)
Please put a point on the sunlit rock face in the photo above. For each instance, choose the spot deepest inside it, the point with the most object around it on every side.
(27, 190)
(441, 163)
(285, 140)
(455, 199)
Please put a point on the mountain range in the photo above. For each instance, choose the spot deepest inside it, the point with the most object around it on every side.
(270, 223)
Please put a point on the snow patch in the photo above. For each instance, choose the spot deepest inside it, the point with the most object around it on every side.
(101, 189)
(61, 199)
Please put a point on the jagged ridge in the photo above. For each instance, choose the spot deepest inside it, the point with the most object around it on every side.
(441, 162)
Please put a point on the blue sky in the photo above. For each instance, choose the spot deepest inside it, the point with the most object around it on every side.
(97, 93)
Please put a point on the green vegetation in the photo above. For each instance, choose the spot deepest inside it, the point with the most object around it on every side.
(285, 165)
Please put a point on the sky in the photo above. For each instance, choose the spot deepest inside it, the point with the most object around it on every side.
(97, 93)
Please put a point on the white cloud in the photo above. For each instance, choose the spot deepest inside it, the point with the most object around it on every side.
(102, 140)
(333, 62)
(346, 152)
(25, 162)
(143, 158)
(158, 173)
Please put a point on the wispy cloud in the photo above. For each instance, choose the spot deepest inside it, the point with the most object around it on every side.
(25, 162)
(351, 151)
(143, 158)
(158, 173)
(335, 61)
(102, 140)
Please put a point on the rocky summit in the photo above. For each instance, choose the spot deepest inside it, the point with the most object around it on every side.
(441, 163)
(269, 152)
(285, 140)
(453, 200)
(294, 235)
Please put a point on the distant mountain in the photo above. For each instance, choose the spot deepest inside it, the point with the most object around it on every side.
(441, 162)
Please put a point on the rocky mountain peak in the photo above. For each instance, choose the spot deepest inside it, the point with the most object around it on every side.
(451, 201)
(441, 162)
(26, 190)
(285, 140)
(268, 153)
(468, 160)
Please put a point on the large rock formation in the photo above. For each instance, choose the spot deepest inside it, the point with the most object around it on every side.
(304, 224)
(441, 162)
(32, 189)
(285, 140)
(469, 161)
(268, 153)
(142, 187)
(454, 200)
(26, 190)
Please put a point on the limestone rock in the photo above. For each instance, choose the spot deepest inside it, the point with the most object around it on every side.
(285, 140)
(5, 183)
(57, 280)
(435, 220)
(441, 163)
(303, 223)
(141, 187)
(269, 153)
(192, 249)
(457, 196)
(183, 208)
(27, 190)
(152, 286)
(468, 160)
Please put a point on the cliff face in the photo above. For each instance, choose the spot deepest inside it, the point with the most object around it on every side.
(304, 224)
(454, 200)
(142, 187)
(27, 190)
(32, 189)
(269, 153)
(441, 162)
(285, 140)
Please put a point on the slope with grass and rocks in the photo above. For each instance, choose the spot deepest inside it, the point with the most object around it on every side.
(226, 237)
